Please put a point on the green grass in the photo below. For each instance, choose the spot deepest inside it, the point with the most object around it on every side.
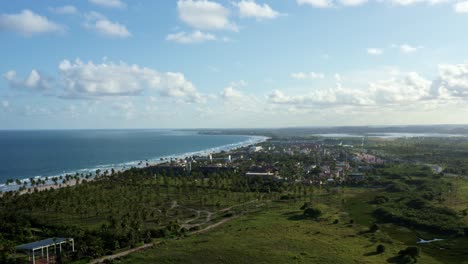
(458, 198)
(451, 250)
(278, 234)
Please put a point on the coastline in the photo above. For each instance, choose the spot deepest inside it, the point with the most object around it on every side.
(251, 140)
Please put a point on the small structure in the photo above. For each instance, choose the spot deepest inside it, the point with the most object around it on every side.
(43, 245)
(255, 148)
(264, 175)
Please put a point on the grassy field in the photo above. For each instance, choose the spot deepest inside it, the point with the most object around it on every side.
(458, 198)
(449, 250)
(280, 234)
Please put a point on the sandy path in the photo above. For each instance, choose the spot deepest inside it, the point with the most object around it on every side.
(123, 253)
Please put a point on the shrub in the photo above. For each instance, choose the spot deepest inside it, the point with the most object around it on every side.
(312, 213)
(416, 204)
(288, 197)
(410, 251)
(397, 187)
(374, 228)
(228, 214)
(380, 199)
(408, 255)
(380, 249)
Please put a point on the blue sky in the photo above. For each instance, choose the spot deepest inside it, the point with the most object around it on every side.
(239, 63)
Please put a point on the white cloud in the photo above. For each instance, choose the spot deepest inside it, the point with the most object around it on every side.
(405, 48)
(310, 75)
(103, 26)
(322, 97)
(28, 23)
(453, 81)
(349, 3)
(205, 15)
(353, 2)
(108, 3)
(374, 51)
(230, 93)
(413, 2)
(249, 8)
(87, 80)
(64, 10)
(316, 3)
(405, 2)
(398, 90)
(187, 38)
(174, 84)
(461, 7)
(34, 81)
(112, 29)
(409, 88)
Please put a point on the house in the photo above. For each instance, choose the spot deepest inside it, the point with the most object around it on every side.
(255, 148)
(264, 175)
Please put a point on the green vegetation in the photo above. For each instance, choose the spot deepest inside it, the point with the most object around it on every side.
(279, 234)
(291, 219)
(119, 211)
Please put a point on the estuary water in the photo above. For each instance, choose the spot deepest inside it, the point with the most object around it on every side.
(37, 154)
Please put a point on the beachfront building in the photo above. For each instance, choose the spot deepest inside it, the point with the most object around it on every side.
(45, 251)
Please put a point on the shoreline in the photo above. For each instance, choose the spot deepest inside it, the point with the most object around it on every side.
(251, 140)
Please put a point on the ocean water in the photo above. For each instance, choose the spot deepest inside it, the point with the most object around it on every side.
(37, 154)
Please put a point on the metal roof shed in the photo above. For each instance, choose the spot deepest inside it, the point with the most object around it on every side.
(30, 248)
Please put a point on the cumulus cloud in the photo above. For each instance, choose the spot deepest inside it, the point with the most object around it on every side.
(108, 3)
(353, 2)
(412, 2)
(452, 81)
(461, 7)
(103, 26)
(34, 81)
(374, 51)
(322, 98)
(409, 88)
(28, 23)
(64, 10)
(304, 75)
(88, 80)
(350, 3)
(398, 90)
(205, 15)
(230, 93)
(188, 38)
(316, 3)
(249, 8)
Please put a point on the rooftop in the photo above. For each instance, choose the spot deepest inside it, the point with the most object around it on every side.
(42, 243)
